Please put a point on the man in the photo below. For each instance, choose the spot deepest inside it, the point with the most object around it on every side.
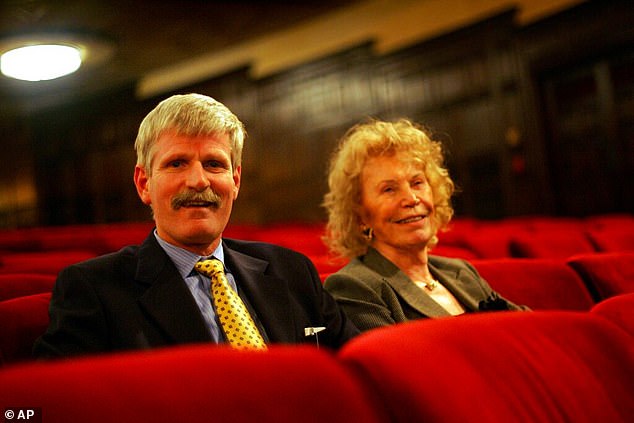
(188, 171)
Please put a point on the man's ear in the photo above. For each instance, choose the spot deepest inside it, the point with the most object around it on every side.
(237, 176)
(141, 181)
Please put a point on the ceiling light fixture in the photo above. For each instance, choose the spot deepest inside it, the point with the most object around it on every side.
(41, 62)
(49, 56)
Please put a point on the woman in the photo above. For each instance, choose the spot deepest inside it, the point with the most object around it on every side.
(389, 196)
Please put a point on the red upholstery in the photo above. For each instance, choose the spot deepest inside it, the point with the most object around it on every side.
(327, 264)
(611, 239)
(458, 231)
(117, 236)
(610, 220)
(242, 231)
(14, 285)
(71, 237)
(454, 251)
(538, 283)
(285, 384)
(302, 237)
(552, 244)
(50, 262)
(606, 274)
(490, 240)
(17, 240)
(500, 367)
(619, 310)
(23, 320)
(538, 223)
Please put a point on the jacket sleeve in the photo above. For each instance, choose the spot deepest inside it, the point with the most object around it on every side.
(77, 323)
(363, 305)
(339, 327)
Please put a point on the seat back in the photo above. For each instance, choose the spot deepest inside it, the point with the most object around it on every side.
(454, 251)
(611, 232)
(606, 274)
(550, 244)
(619, 310)
(613, 239)
(22, 321)
(50, 262)
(547, 366)
(541, 284)
(13, 285)
(194, 384)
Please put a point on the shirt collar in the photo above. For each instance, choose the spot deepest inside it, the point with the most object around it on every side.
(186, 260)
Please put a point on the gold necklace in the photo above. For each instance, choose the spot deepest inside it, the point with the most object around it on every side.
(430, 286)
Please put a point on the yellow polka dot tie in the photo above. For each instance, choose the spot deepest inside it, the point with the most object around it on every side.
(233, 315)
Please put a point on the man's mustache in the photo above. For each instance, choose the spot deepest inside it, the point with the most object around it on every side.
(194, 197)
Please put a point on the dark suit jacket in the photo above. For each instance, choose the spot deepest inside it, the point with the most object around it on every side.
(135, 298)
(374, 292)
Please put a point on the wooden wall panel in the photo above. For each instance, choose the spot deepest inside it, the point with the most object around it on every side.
(480, 89)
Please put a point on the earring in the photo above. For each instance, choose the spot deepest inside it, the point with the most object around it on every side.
(368, 233)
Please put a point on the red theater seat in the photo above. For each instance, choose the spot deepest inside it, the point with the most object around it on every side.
(50, 262)
(453, 251)
(193, 384)
(490, 240)
(611, 239)
(538, 283)
(606, 274)
(23, 319)
(611, 220)
(302, 237)
(327, 264)
(550, 244)
(119, 235)
(71, 237)
(548, 366)
(538, 223)
(14, 285)
(458, 230)
(15, 240)
(619, 310)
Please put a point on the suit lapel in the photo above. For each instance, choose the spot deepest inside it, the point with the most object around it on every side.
(457, 281)
(167, 299)
(403, 285)
(416, 297)
(265, 296)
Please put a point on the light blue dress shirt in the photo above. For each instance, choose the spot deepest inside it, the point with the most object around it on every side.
(198, 284)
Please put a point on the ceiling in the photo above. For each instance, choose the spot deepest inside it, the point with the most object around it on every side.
(144, 34)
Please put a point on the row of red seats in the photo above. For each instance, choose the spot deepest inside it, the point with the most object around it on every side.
(529, 237)
(95, 239)
(532, 236)
(576, 284)
(545, 366)
(538, 236)
(546, 283)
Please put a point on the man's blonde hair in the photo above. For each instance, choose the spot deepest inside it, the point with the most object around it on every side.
(191, 115)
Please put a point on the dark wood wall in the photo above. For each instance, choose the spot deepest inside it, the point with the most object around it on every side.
(535, 120)
(582, 74)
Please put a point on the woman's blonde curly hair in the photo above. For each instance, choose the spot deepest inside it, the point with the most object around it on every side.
(344, 236)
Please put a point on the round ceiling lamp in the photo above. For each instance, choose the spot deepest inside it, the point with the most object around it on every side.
(45, 57)
(40, 62)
